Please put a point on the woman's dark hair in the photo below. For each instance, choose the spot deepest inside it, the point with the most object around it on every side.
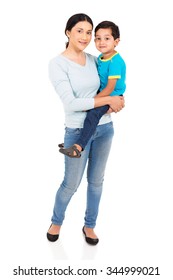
(109, 24)
(73, 20)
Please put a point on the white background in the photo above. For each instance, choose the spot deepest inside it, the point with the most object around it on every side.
(135, 218)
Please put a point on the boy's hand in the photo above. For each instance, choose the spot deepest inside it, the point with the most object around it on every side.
(110, 111)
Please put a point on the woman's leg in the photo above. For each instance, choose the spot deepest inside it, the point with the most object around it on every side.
(74, 169)
(99, 152)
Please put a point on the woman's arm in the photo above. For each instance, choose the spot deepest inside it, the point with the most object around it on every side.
(115, 102)
(60, 81)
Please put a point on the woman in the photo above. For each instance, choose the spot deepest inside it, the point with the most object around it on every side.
(74, 76)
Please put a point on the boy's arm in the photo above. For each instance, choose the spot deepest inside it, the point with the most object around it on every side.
(108, 89)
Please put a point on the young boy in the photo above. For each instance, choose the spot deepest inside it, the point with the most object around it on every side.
(112, 73)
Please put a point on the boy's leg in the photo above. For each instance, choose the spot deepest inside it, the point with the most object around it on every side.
(91, 121)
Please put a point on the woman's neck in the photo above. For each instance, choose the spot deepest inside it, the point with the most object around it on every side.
(76, 56)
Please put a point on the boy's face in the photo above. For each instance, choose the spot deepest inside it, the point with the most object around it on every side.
(104, 41)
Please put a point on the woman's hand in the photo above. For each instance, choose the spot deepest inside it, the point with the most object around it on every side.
(117, 103)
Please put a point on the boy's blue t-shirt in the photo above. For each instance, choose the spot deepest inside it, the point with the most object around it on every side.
(112, 68)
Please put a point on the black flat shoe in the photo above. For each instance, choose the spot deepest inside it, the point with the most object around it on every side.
(91, 241)
(52, 237)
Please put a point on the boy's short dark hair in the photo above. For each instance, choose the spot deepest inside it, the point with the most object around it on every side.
(109, 24)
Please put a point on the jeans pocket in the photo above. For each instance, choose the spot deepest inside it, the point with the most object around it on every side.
(72, 131)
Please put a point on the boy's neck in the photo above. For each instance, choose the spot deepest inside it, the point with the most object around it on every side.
(108, 55)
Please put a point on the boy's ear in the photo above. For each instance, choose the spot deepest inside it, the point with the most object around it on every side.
(117, 41)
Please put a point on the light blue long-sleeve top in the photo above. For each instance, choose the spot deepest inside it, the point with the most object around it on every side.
(76, 86)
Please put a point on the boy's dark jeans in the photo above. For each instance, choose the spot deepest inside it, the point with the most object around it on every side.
(90, 124)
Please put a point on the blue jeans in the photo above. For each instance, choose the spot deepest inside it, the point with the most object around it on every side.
(95, 157)
(91, 121)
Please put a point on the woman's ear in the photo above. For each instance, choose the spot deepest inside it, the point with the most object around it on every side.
(68, 33)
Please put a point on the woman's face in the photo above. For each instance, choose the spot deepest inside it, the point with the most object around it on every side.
(80, 35)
